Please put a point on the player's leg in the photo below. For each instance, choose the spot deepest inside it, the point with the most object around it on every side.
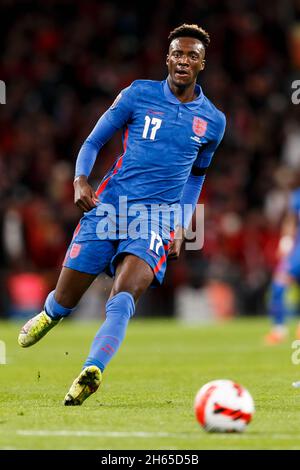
(133, 276)
(277, 311)
(294, 272)
(83, 262)
(286, 274)
(294, 301)
(136, 264)
(60, 303)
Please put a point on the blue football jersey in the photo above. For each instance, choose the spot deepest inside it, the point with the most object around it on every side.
(162, 139)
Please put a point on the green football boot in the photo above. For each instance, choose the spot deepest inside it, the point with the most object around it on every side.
(83, 386)
(35, 329)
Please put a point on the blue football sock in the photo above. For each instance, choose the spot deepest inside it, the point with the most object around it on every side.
(119, 310)
(54, 310)
(277, 308)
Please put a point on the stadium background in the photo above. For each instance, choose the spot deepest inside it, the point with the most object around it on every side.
(64, 62)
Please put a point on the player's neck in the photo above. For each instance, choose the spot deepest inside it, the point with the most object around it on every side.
(183, 94)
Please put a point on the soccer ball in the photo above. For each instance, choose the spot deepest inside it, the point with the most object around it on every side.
(223, 406)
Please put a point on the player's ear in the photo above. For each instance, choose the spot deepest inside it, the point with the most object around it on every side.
(167, 59)
(202, 64)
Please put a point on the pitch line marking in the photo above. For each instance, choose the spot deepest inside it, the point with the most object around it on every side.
(141, 434)
(25, 432)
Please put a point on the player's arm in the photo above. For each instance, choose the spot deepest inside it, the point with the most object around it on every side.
(191, 194)
(113, 119)
(193, 187)
(84, 195)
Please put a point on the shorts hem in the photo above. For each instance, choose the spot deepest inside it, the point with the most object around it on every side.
(155, 283)
(81, 270)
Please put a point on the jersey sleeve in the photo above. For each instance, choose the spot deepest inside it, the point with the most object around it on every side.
(294, 201)
(205, 155)
(114, 118)
(121, 111)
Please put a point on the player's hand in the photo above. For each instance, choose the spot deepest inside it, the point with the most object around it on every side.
(84, 196)
(175, 247)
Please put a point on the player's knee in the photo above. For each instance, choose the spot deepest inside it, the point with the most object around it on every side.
(135, 287)
(65, 298)
(134, 276)
(54, 308)
(132, 290)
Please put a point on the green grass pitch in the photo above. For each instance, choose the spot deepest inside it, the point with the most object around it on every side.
(146, 399)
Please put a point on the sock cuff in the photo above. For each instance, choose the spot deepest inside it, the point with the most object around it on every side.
(123, 297)
(92, 361)
(54, 309)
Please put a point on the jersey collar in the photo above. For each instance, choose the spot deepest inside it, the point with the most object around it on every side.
(172, 98)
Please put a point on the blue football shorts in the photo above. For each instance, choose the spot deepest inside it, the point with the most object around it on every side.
(94, 256)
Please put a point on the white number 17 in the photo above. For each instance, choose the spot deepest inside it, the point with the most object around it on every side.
(156, 122)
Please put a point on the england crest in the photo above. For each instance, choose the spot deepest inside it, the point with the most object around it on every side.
(75, 250)
(199, 126)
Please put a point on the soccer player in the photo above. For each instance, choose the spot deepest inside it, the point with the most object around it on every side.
(170, 133)
(286, 273)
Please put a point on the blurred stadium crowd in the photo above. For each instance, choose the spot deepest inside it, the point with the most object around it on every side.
(65, 61)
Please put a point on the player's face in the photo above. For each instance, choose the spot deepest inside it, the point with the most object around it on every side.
(185, 60)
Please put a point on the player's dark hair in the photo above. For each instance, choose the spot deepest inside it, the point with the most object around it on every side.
(191, 31)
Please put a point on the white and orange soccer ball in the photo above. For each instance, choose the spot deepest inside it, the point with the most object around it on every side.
(223, 406)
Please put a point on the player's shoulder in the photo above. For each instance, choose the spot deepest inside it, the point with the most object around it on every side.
(215, 117)
(216, 114)
(136, 89)
(144, 85)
